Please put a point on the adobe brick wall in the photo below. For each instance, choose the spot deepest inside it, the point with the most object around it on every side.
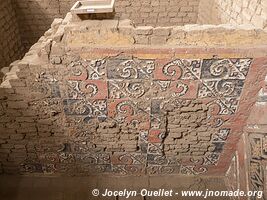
(158, 12)
(35, 17)
(233, 12)
(72, 109)
(123, 33)
(10, 40)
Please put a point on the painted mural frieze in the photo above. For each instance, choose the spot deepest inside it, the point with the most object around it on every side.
(130, 68)
(126, 115)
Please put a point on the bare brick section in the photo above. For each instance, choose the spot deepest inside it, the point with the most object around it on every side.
(158, 12)
(36, 16)
(10, 40)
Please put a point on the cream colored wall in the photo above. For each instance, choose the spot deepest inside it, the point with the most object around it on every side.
(233, 12)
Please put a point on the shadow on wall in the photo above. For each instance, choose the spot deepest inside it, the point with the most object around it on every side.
(35, 17)
(97, 16)
(10, 41)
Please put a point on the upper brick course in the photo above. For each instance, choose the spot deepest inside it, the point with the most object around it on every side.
(24, 21)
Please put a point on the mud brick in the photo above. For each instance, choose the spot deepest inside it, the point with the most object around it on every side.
(22, 91)
(10, 169)
(2, 141)
(13, 125)
(25, 119)
(15, 97)
(161, 31)
(45, 121)
(5, 119)
(29, 112)
(7, 146)
(17, 160)
(5, 133)
(27, 125)
(57, 49)
(144, 30)
(18, 105)
(20, 146)
(5, 150)
(17, 83)
(142, 39)
(23, 74)
(27, 130)
(3, 156)
(17, 137)
(158, 40)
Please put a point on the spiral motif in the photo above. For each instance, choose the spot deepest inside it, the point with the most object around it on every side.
(197, 160)
(150, 66)
(77, 68)
(73, 89)
(100, 105)
(219, 68)
(135, 90)
(51, 157)
(173, 69)
(128, 69)
(199, 170)
(167, 170)
(183, 88)
(162, 135)
(104, 157)
(217, 122)
(125, 159)
(81, 108)
(30, 168)
(160, 160)
(89, 159)
(125, 108)
(92, 89)
(100, 168)
(132, 169)
(225, 87)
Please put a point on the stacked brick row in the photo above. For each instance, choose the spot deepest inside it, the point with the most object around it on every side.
(10, 41)
(29, 123)
(36, 16)
(158, 12)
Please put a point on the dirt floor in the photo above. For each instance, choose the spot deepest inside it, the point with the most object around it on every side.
(80, 188)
